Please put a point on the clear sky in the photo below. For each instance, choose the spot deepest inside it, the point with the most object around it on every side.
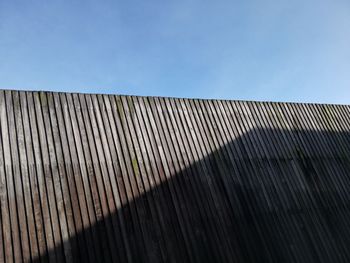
(276, 50)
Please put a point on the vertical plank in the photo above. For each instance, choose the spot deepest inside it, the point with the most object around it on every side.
(2, 245)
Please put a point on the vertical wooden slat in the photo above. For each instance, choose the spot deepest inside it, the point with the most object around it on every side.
(2, 245)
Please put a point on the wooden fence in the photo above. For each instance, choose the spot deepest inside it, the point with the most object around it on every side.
(104, 178)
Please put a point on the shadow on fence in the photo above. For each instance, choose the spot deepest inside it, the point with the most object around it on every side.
(268, 196)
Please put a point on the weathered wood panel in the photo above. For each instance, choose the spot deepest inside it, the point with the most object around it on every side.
(103, 178)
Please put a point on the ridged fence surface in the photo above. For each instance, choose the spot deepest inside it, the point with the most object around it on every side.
(104, 178)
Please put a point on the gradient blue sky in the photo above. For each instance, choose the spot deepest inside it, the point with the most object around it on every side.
(274, 50)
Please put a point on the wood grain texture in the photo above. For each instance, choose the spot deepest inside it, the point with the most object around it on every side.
(108, 178)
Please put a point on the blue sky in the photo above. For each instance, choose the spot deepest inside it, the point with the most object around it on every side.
(254, 50)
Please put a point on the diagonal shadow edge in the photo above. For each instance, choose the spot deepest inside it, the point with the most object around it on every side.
(287, 203)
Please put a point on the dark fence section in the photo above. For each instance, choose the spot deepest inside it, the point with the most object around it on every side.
(101, 178)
